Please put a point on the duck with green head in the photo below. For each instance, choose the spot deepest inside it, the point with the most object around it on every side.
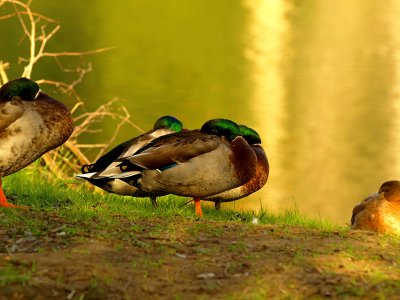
(100, 172)
(259, 178)
(196, 163)
(31, 123)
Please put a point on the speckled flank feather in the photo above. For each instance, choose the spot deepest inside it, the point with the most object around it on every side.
(44, 125)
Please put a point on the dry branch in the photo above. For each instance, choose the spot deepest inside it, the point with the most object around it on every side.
(3, 74)
(57, 54)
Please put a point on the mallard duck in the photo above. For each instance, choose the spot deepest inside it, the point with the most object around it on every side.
(99, 173)
(197, 163)
(257, 181)
(380, 211)
(31, 123)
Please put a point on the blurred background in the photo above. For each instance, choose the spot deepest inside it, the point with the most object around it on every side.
(319, 80)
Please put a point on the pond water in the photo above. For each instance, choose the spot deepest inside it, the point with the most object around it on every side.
(319, 80)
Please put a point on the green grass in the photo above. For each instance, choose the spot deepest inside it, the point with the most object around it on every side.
(16, 274)
(84, 205)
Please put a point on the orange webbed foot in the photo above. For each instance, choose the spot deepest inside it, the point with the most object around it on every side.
(5, 203)
(197, 206)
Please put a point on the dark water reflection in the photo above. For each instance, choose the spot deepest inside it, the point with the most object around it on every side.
(319, 80)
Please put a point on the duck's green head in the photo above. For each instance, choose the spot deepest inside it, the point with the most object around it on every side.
(22, 88)
(250, 135)
(222, 127)
(168, 122)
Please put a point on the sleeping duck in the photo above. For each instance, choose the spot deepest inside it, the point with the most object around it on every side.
(99, 173)
(31, 123)
(380, 211)
(197, 163)
(257, 181)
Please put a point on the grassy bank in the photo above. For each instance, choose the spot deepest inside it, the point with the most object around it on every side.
(77, 244)
(84, 205)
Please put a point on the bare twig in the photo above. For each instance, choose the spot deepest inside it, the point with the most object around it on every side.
(3, 74)
(114, 136)
(9, 16)
(57, 54)
(31, 34)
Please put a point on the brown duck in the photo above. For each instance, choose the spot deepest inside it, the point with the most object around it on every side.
(379, 212)
(31, 123)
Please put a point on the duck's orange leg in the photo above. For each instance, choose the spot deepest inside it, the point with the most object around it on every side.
(197, 207)
(3, 199)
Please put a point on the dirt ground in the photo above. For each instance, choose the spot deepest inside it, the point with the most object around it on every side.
(178, 258)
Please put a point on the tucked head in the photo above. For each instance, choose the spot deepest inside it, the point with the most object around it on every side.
(168, 122)
(250, 135)
(391, 190)
(22, 88)
(222, 127)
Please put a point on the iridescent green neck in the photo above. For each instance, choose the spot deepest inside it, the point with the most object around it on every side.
(250, 135)
(23, 88)
(222, 127)
(168, 122)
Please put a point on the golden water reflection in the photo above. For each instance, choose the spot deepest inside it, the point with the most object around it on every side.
(339, 100)
(265, 52)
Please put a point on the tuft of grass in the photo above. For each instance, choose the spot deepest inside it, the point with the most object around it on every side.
(15, 274)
